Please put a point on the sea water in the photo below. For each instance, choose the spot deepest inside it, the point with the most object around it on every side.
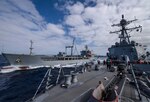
(19, 86)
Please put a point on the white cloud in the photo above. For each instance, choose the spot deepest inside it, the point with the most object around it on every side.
(20, 22)
(74, 20)
(76, 8)
(55, 29)
(97, 20)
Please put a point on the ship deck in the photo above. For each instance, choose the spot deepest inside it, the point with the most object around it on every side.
(86, 82)
(130, 93)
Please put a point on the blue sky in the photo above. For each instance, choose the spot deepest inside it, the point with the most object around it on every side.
(52, 24)
(48, 11)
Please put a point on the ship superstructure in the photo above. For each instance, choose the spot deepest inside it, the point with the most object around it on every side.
(133, 50)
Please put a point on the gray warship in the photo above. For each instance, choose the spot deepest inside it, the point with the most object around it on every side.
(25, 61)
(121, 81)
(135, 52)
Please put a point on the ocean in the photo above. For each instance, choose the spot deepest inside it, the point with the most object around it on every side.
(19, 86)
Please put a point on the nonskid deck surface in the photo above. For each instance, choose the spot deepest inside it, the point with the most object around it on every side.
(86, 81)
(130, 93)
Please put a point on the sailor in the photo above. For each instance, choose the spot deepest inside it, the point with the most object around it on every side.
(97, 93)
(108, 62)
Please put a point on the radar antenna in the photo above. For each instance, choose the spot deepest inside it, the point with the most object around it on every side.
(124, 36)
(31, 47)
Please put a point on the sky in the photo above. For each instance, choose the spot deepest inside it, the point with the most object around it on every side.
(52, 24)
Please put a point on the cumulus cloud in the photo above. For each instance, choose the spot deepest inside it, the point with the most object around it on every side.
(92, 23)
(74, 20)
(78, 8)
(20, 22)
(55, 29)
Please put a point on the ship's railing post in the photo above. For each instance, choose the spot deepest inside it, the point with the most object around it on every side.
(75, 67)
(83, 68)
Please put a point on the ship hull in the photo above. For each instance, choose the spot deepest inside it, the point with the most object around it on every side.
(39, 60)
(142, 67)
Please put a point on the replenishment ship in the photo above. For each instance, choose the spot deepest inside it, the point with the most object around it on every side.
(27, 61)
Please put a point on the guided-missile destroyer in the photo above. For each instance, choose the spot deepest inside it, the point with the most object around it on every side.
(135, 52)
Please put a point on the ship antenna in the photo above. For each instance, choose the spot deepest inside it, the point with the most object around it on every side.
(124, 36)
(31, 47)
(122, 16)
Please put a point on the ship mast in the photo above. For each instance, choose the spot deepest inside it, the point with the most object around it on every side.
(71, 47)
(31, 47)
(124, 36)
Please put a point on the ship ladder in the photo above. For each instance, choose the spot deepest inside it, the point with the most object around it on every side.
(59, 73)
(45, 78)
(48, 84)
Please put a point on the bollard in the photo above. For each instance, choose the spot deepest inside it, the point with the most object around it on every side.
(83, 69)
(74, 78)
(96, 67)
(67, 80)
